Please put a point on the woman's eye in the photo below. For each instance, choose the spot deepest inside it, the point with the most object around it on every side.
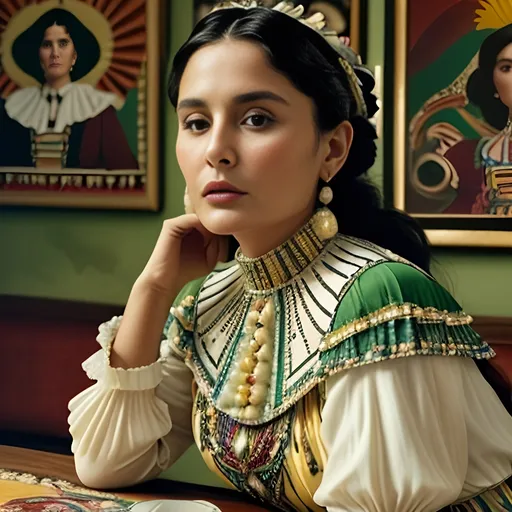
(46, 44)
(506, 68)
(258, 120)
(63, 43)
(196, 125)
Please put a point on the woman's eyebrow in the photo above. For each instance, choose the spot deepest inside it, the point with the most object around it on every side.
(259, 95)
(191, 103)
(247, 97)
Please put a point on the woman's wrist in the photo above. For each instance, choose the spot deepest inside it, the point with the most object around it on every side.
(151, 284)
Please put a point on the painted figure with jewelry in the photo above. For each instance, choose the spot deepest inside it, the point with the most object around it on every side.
(490, 88)
(308, 353)
(461, 134)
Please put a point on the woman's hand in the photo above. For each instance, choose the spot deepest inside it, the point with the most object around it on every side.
(184, 251)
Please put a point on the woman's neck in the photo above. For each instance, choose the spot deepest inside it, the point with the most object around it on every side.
(58, 83)
(257, 242)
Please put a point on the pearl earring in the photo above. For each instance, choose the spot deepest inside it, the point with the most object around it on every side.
(496, 95)
(325, 195)
(325, 223)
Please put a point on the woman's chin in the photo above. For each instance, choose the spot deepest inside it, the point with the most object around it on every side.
(224, 222)
(53, 77)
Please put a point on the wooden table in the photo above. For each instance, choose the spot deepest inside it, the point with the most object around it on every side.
(62, 466)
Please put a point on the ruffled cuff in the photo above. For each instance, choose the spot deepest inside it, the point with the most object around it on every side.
(97, 367)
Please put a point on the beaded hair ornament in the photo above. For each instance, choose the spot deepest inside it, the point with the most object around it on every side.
(348, 59)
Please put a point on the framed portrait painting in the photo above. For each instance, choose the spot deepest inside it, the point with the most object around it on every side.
(79, 103)
(451, 132)
(346, 17)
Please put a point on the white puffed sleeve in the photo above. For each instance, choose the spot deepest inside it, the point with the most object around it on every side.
(121, 426)
(398, 436)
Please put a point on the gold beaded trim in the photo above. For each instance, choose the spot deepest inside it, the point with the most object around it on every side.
(355, 87)
(179, 312)
(394, 312)
(283, 263)
(181, 323)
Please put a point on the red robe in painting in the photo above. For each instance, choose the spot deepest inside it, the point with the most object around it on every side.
(96, 143)
(471, 178)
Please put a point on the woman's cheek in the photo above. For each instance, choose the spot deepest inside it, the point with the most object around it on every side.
(272, 151)
(184, 163)
(503, 83)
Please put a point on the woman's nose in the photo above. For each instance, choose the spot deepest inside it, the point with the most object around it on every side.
(220, 151)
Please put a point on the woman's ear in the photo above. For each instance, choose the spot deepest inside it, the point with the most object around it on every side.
(338, 143)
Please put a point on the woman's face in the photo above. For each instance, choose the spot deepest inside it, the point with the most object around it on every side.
(57, 53)
(247, 143)
(503, 75)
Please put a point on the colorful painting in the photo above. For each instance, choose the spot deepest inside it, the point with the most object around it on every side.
(79, 94)
(452, 132)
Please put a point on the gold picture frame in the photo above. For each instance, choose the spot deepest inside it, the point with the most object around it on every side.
(408, 127)
(128, 70)
(358, 26)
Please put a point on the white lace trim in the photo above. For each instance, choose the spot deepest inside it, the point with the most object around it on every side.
(97, 367)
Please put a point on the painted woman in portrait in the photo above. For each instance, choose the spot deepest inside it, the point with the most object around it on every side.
(460, 136)
(61, 123)
(485, 165)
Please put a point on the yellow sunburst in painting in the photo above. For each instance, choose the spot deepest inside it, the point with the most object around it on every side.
(494, 14)
(119, 27)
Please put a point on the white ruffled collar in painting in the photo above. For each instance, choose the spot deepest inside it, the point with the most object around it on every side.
(31, 108)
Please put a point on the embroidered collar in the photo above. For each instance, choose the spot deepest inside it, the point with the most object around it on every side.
(255, 354)
(30, 107)
(278, 266)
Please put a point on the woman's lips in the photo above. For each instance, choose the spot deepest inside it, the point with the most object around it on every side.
(223, 197)
(220, 192)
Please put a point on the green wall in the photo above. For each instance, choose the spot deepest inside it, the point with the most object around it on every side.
(96, 256)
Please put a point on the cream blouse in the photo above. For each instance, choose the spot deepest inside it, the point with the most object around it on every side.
(407, 435)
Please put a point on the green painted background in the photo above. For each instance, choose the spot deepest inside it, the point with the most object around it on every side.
(96, 256)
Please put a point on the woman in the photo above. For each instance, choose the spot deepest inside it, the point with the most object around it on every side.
(484, 165)
(62, 123)
(311, 389)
